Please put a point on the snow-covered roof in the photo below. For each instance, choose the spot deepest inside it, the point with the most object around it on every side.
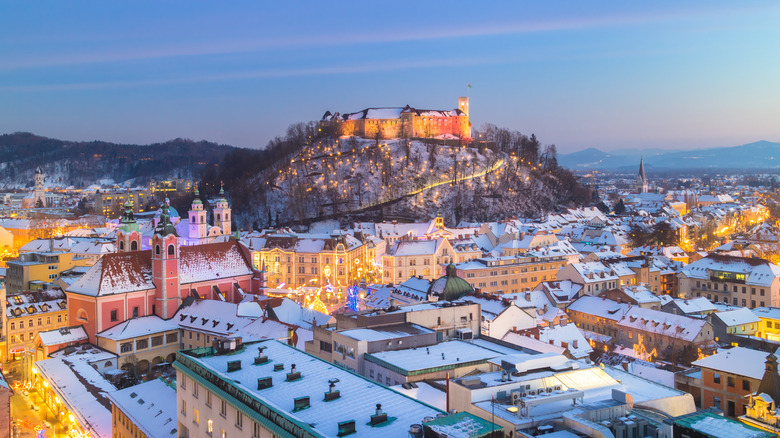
(35, 303)
(141, 326)
(150, 406)
(694, 305)
(385, 332)
(662, 323)
(321, 417)
(64, 335)
(116, 273)
(767, 312)
(212, 261)
(738, 360)
(601, 307)
(443, 354)
(758, 272)
(82, 388)
(739, 316)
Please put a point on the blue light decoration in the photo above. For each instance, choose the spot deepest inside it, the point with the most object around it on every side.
(353, 297)
(329, 288)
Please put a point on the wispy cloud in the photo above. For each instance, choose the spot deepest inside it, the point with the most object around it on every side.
(383, 36)
(259, 74)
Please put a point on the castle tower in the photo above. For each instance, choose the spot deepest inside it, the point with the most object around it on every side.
(641, 179)
(39, 191)
(463, 105)
(222, 213)
(128, 235)
(165, 266)
(197, 226)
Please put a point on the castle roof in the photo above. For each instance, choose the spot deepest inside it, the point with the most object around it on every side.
(450, 287)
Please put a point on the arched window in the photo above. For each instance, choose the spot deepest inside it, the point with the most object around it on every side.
(202, 218)
(121, 245)
(157, 249)
(217, 217)
(107, 364)
(81, 315)
(193, 219)
(227, 216)
(170, 249)
(134, 246)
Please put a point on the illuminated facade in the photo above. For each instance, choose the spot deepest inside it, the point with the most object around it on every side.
(743, 281)
(406, 122)
(314, 260)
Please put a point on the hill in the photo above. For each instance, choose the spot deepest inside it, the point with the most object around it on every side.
(80, 164)
(758, 155)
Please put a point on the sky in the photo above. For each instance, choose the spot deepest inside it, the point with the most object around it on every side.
(609, 75)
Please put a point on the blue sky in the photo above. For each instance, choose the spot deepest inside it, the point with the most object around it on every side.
(609, 75)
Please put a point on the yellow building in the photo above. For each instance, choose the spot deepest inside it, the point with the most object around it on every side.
(299, 260)
(34, 269)
(28, 313)
(511, 274)
(111, 204)
(769, 327)
(144, 345)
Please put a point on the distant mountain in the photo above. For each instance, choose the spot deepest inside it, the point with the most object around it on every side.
(759, 155)
(80, 164)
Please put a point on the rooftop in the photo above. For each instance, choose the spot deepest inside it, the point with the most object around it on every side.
(357, 395)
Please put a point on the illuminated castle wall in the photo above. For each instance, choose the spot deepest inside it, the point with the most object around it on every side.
(403, 122)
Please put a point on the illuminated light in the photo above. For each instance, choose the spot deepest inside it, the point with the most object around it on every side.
(512, 409)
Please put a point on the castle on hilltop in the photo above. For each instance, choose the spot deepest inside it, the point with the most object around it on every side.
(406, 122)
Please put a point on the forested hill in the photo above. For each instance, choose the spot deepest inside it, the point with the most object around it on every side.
(80, 164)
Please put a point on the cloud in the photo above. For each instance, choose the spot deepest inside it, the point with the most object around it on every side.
(384, 35)
(259, 74)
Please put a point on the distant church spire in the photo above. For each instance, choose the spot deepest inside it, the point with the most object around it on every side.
(641, 179)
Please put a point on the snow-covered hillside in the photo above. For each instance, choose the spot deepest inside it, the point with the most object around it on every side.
(401, 178)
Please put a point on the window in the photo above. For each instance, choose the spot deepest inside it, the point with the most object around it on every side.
(716, 378)
(141, 344)
(731, 381)
(745, 385)
(255, 430)
(209, 426)
(195, 390)
(135, 311)
(195, 416)
(21, 324)
(716, 402)
(157, 341)
(183, 382)
(184, 407)
(239, 419)
(126, 347)
(208, 398)
(113, 315)
(13, 326)
(59, 318)
(223, 408)
(170, 250)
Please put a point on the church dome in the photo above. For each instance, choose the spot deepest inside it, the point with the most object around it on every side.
(450, 287)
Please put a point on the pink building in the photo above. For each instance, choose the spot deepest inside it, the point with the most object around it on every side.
(133, 283)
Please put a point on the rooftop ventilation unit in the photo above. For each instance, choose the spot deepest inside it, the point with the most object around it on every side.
(301, 403)
(332, 393)
(233, 365)
(278, 366)
(379, 417)
(264, 382)
(293, 375)
(261, 358)
(346, 428)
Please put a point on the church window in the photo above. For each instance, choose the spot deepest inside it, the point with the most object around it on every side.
(135, 311)
(121, 246)
(82, 315)
(217, 217)
(113, 315)
(134, 246)
(202, 219)
(157, 249)
(227, 216)
(193, 219)
(170, 249)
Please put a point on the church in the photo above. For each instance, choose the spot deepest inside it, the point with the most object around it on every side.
(37, 199)
(135, 282)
